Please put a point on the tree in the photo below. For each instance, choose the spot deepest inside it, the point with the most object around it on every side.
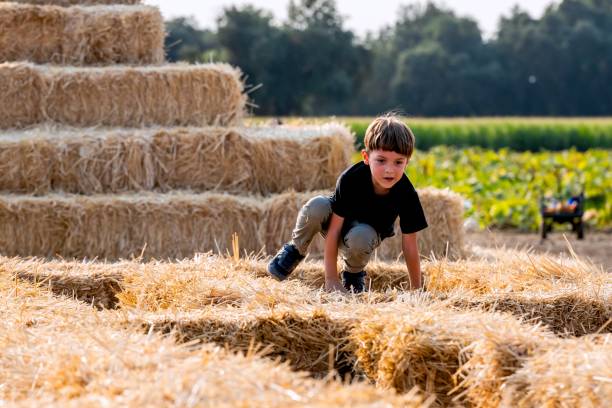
(425, 60)
(186, 42)
(331, 64)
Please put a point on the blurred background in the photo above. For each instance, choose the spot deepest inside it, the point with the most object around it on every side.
(426, 59)
(509, 100)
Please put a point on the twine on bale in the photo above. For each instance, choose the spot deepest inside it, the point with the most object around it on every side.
(240, 160)
(94, 35)
(165, 95)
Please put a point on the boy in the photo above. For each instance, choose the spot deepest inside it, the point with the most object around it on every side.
(361, 212)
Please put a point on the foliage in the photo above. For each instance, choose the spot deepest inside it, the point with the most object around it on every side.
(503, 188)
(429, 62)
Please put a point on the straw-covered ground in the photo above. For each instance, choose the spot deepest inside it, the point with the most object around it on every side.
(446, 341)
(571, 297)
(81, 35)
(179, 223)
(121, 95)
(61, 352)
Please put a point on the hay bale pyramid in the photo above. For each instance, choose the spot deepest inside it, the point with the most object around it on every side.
(107, 151)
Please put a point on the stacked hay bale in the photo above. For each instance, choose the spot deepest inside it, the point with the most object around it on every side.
(116, 153)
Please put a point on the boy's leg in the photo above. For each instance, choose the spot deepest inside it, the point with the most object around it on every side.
(313, 218)
(357, 247)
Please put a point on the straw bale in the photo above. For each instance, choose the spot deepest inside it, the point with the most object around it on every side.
(68, 3)
(573, 373)
(166, 95)
(312, 342)
(258, 160)
(59, 352)
(98, 286)
(100, 366)
(172, 225)
(454, 356)
(517, 271)
(120, 226)
(566, 312)
(20, 87)
(81, 35)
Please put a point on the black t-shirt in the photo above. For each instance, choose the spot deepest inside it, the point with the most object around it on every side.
(355, 200)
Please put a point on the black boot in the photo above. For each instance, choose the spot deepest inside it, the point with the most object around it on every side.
(354, 281)
(285, 262)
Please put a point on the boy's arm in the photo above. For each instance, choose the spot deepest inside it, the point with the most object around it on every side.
(411, 254)
(330, 256)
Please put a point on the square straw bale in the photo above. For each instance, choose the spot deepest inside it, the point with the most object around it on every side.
(94, 35)
(91, 282)
(124, 96)
(567, 312)
(312, 341)
(22, 91)
(259, 160)
(517, 271)
(121, 226)
(572, 373)
(458, 357)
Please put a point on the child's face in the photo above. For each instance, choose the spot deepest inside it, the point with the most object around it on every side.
(387, 168)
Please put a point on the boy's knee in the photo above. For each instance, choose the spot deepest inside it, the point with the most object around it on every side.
(318, 208)
(362, 238)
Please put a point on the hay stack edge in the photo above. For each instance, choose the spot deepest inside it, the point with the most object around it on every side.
(179, 224)
(123, 96)
(81, 35)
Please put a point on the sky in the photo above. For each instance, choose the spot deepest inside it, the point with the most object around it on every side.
(360, 16)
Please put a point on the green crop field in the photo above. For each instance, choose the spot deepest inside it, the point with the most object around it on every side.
(516, 133)
(503, 187)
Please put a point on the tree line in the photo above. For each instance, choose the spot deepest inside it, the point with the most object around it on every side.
(429, 62)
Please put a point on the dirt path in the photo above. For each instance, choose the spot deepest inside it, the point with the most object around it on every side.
(597, 246)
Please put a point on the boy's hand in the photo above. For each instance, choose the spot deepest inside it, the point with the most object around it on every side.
(335, 285)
